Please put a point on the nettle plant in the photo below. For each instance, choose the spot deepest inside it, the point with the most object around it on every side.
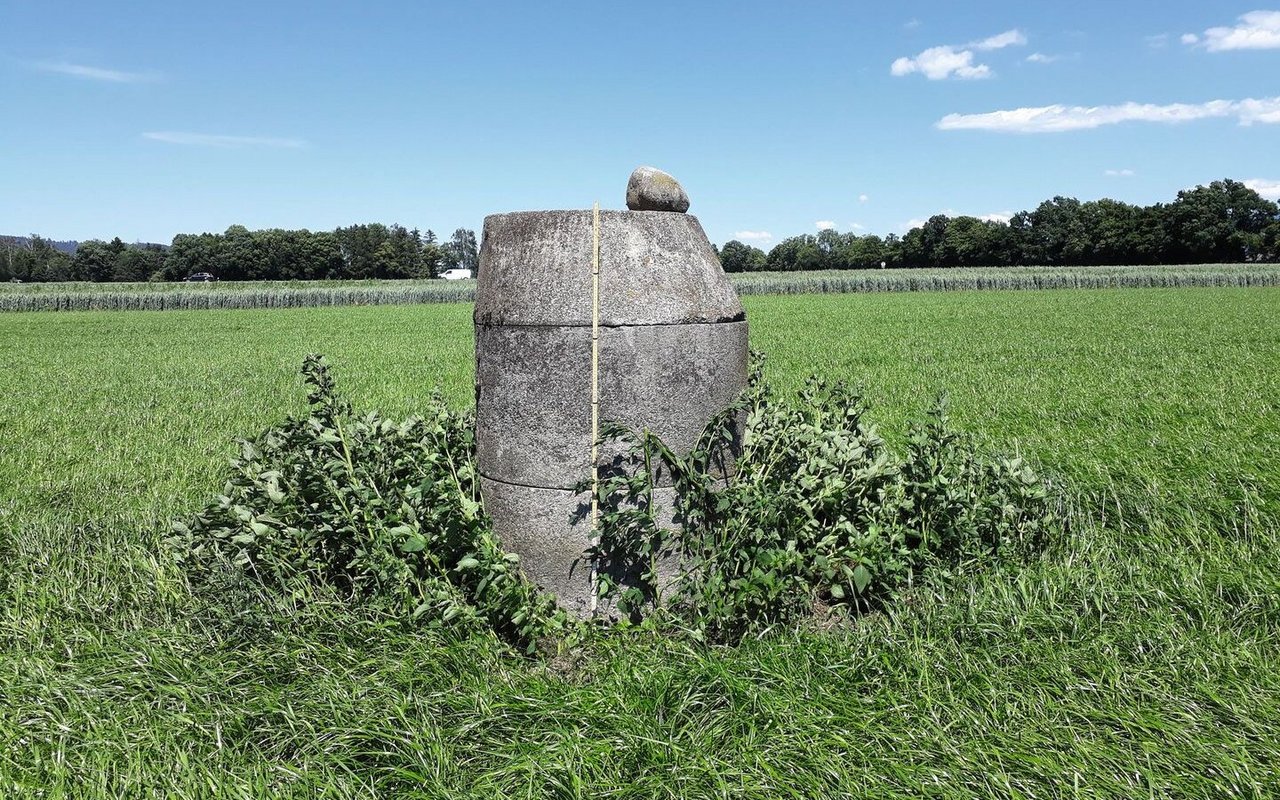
(816, 512)
(363, 511)
(786, 509)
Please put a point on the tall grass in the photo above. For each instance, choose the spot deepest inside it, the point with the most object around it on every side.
(300, 294)
(1008, 278)
(1136, 658)
(242, 295)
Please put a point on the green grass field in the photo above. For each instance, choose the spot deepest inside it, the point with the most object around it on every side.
(1137, 658)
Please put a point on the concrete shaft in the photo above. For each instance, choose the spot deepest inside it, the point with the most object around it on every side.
(550, 528)
(533, 410)
(673, 353)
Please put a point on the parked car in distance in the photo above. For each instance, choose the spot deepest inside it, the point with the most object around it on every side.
(455, 274)
(200, 277)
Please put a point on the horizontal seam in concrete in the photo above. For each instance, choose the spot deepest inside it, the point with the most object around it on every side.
(587, 325)
(532, 486)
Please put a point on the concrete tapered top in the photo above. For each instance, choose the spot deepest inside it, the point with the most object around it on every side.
(657, 268)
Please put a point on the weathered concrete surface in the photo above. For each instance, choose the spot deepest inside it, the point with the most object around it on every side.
(673, 353)
(533, 412)
(659, 269)
(552, 552)
(651, 189)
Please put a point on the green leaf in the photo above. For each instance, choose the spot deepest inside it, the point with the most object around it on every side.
(861, 577)
(414, 543)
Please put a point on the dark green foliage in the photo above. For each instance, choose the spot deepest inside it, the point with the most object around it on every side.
(738, 257)
(387, 517)
(960, 505)
(1225, 221)
(33, 258)
(818, 513)
(364, 511)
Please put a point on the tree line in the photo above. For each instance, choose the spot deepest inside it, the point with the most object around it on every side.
(354, 252)
(1224, 222)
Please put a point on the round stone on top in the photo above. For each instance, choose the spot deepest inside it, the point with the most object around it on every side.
(652, 189)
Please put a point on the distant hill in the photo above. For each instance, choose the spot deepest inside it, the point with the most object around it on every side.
(68, 247)
(25, 241)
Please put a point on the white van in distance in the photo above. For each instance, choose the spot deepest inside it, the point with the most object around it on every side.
(455, 274)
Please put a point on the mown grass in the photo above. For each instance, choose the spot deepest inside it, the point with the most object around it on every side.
(1137, 658)
(84, 296)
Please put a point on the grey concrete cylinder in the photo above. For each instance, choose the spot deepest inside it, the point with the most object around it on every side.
(672, 354)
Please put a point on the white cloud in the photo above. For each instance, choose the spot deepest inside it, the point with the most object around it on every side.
(752, 236)
(1257, 30)
(857, 226)
(217, 140)
(1266, 110)
(997, 216)
(824, 224)
(912, 24)
(862, 198)
(1267, 188)
(1050, 119)
(94, 73)
(1119, 173)
(1042, 58)
(947, 61)
(940, 63)
(1000, 40)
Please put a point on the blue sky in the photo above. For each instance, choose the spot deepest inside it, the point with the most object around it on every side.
(148, 119)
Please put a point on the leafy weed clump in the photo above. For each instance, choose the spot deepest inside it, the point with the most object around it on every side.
(362, 511)
(785, 509)
(817, 513)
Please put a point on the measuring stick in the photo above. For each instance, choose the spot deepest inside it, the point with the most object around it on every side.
(595, 395)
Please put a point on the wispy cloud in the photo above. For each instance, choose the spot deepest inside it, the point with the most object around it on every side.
(857, 226)
(752, 236)
(1057, 118)
(1257, 30)
(1000, 40)
(217, 140)
(1267, 188)
(958, 61)
(1043, 58)
(95, 73)
(1119, 173)
(824, 224)
(862, 198)
(1157, 41)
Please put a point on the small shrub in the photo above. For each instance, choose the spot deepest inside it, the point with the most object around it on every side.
(815, 512)
(361, 510)
(818, 513)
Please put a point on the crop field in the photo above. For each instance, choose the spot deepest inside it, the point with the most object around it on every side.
(83, 296)
(1137, 657)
